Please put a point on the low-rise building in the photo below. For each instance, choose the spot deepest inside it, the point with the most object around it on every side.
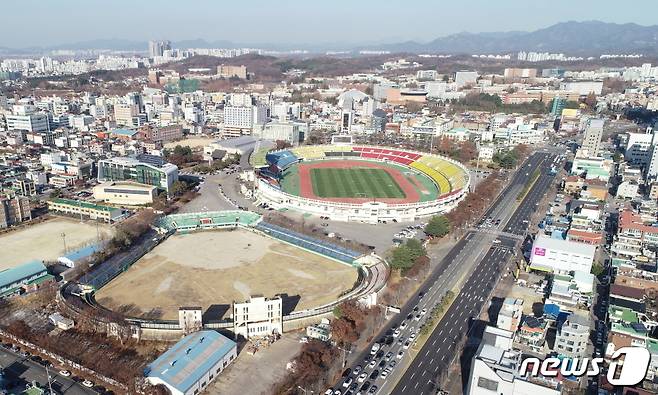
(572, 336)
(495, 369)
(510, 314)
(126, 193)
(85, 209)
(561, 256)
(259, 316)
(26, 277)
(191, 364)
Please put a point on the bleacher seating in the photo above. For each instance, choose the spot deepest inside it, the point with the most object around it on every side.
(439, 179)
(328, 249)
(309, 152)
(281, 159)
(397, 156)
(209, 219)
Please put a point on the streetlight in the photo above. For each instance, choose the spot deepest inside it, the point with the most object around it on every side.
(304, 389)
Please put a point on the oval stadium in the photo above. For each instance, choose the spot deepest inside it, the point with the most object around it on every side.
(359, 183)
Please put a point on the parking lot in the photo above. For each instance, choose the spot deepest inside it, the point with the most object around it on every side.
(22, 369)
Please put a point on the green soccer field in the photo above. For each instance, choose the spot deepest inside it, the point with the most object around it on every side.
(354, 183)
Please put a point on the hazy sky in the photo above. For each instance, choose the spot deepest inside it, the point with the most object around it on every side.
(50, 22)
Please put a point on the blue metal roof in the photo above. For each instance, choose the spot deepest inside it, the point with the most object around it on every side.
(82, 253)
(187, 361)
(18, 273)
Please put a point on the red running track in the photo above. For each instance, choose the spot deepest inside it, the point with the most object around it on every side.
(306, 186)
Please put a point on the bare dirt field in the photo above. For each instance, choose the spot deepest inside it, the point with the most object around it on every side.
(219, 267)
(193, 142)
(44, 240)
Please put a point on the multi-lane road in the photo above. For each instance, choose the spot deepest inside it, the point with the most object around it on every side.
(475, 261)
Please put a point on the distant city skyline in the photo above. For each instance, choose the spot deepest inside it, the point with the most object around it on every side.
(34, 23)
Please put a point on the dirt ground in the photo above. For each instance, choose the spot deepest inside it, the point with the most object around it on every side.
(44, 240)
(191, 142)
(219, 267)
(266, 368)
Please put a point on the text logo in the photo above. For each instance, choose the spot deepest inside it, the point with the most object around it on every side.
(628, 366)
(540, 251)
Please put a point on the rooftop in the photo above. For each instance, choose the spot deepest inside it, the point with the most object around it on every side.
(80, 203)
(15, 274)
(547, 242)
(188, 360)
(626, 292)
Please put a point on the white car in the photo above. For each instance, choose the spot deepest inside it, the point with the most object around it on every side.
(423, 311)
(64, 373)
(372, 363)
(396, 333)
(406, 345)
(347, 382)
(362, 377)
(88, 384)
(400, 354)
(412, 336)
(383, 374)
(403, 325)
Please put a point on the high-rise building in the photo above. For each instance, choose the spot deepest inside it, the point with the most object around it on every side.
(157, 48)
(557, 106)
(592, 138)
(14, 209)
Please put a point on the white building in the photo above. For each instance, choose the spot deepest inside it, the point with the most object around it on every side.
(583, 87)
(509, 316)
(495, 369)
(35, 122)
(572, 336)
(259, 316)
(127, 193)
(561, 256)
(190, 319)
(191, 364)
(639, 147)
(592, 138)
(463, 78)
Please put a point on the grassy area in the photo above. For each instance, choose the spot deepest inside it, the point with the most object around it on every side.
(354, 182)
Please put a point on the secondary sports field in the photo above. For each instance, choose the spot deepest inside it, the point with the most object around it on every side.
(218, 267)
(44, 241)
(365, 182)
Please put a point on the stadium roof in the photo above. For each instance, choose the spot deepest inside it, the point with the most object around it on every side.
(18, 273)
(190, 359)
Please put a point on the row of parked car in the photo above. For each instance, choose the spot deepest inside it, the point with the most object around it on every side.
(48, 365)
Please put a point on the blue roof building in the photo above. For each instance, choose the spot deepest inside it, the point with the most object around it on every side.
(12, 280)
(190, 365)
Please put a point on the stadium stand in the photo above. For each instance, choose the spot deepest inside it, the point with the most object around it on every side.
(309, 243)
(209, 220)
(440, 180)
(281, 159)
(309, 152)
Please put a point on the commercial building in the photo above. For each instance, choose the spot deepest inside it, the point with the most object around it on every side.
(124, 113)
(291, 132)
(520, 73)
(191, 364)
(592, 168)
(592, 138)
(242, 119)
(561, 256)
(28, 276)
(85, 209)
(639, 148)
(259, 316)
(162, 134)
(583, 88)
(495, 369)
(155, 172)
(14, 209)
(128, 193)
(36, 122)
(157, 48)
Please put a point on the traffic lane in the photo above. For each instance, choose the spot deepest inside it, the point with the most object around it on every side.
(432, 296)
(528, 206)
(439, 350)
(27, 371)
(472, 241)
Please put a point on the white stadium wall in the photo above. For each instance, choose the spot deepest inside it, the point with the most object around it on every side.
(369, 212)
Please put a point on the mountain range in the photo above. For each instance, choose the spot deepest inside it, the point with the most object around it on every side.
(590, 37)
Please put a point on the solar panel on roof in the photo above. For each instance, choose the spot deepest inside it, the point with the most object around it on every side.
(532, 322)
(639, 327)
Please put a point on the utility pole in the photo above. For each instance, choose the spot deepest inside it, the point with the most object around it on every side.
(64, 240)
